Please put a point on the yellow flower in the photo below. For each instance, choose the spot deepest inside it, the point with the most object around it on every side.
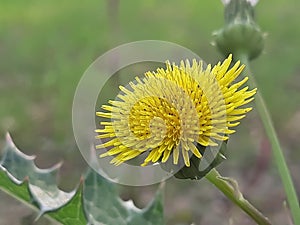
(170, 111)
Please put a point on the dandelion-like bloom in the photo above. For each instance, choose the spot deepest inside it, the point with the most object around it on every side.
(170, 111)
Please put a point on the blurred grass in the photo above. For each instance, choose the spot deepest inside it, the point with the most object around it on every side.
(45, 47)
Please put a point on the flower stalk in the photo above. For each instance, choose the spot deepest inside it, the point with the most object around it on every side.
(240, 27)
(279, 158)
(230, 189)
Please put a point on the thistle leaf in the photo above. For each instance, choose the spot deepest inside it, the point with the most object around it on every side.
(95, 201)
(42, 187)
(71, 213)
(103, 205)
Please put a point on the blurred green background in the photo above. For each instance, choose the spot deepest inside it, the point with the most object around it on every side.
(45, 47)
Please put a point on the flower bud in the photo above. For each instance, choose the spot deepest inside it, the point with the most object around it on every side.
(240, 34)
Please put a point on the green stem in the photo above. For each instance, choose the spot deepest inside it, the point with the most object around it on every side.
(277, 151)
(230, 189)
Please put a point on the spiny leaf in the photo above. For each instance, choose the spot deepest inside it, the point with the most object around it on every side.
(71, 213)
(18, 190)
(41, 187)
(94, 202)
(153, 213)
(103, 205)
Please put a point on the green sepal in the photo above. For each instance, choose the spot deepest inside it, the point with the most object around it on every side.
(212, 157)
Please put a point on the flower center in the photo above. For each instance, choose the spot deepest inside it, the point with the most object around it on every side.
(154, 119)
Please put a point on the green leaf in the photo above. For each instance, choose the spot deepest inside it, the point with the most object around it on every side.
(71, 213)
(95, 201)
(42, 189)
(103, 205)
(18, 190)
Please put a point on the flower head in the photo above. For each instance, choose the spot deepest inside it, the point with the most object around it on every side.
(169, 112)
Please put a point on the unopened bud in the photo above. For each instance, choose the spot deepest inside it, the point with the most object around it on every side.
(240, 34)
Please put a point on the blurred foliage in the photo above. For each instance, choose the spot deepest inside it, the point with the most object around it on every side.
(45, 47)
